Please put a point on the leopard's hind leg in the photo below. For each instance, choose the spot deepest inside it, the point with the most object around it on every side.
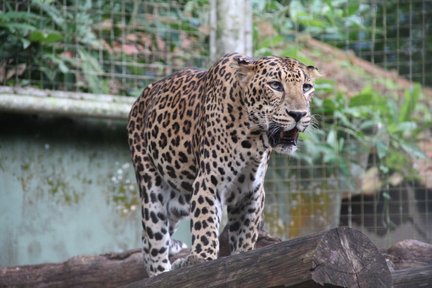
(156, 236)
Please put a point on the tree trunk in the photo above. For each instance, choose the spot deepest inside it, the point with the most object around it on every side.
(231, 27)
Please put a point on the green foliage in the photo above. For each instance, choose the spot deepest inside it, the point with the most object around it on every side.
(81, 44)
(328, 19)
(350, 131)
(357, 25)
(41, 34)
(353, 129)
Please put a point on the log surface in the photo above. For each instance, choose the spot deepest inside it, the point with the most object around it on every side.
(338, 257)
(413, 277)
(410, 254)
(108, 270)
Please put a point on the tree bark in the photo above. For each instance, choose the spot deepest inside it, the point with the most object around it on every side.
(108, 270)
(413, 278)
(411, 262)
(231, 27)
(342, 257)
(410, 254)
(338, 257)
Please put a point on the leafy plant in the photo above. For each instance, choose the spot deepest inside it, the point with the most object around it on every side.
(80, 44)
(364, 125)
(327, 19)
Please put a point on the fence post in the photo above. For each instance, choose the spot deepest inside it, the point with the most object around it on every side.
(230, 27)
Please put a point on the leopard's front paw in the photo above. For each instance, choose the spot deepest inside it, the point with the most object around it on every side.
(187, 261)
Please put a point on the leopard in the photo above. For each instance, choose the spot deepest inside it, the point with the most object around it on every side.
(200, 142)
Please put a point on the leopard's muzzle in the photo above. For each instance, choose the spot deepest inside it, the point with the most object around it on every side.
(278, 137)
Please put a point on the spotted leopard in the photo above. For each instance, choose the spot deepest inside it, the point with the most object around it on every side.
(202, 139)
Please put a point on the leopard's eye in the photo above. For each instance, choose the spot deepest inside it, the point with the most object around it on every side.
(276, 85)
(307, 87)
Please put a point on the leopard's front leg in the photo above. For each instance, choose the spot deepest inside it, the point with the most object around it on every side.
(244, 220)
(205, 213)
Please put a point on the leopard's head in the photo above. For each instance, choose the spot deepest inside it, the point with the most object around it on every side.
(277, 93)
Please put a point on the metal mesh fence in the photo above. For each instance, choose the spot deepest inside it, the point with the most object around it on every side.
(386, 204)
(113, 47)
(398, 38)
(118, 47)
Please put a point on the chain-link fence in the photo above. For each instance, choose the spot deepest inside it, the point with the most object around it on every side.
(113, 47)
(378, 183)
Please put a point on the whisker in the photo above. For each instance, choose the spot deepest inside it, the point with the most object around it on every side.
(314, 121)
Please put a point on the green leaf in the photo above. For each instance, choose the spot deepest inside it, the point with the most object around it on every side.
(332, 138)
(20, 28)
(329, 106)
(352, 8)
(404, 127)
(9, 17)
(410, 100)
(26, 43)
(44, 37)
(412, 150)
(340, 115)
(325, 85)
(92, 70)
(57, 60)
(382, 149)
(365, 98)
(367, 124)
(270, 41)
(52, 11)
(361, 100)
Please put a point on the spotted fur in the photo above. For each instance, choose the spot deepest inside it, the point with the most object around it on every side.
(201, 139)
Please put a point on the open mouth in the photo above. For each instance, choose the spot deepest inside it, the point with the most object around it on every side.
(284, 138)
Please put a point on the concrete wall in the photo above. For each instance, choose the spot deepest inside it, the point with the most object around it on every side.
(67, 188)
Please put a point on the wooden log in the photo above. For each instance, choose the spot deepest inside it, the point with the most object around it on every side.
(341, 256)
(108, 270)
(409, 254)
(413, 277)
(338, 257)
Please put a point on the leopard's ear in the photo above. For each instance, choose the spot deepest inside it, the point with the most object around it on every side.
(243, 67)
(313, 72)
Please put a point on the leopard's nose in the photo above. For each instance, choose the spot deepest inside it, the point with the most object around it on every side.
(297, 115)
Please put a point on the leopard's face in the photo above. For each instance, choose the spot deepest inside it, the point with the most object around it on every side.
(277, 94)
